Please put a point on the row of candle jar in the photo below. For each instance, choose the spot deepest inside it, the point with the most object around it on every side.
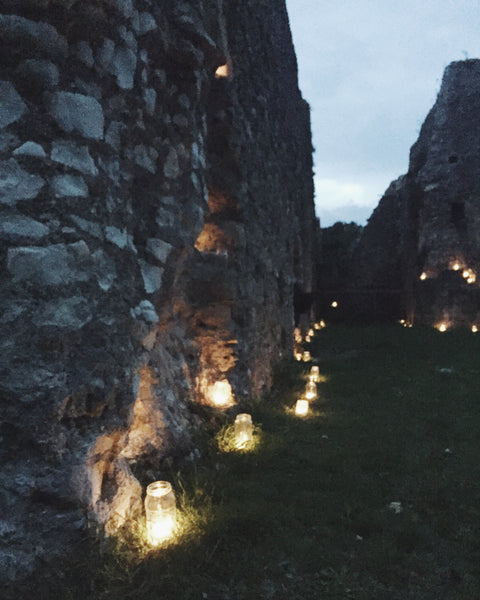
(302, 405)
(160, 505)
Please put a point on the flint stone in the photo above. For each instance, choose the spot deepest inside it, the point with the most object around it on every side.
(90, 227)
(15, 226)
(123, 67)
(8, 141)
(143, 158)
(17, 184)
(30, 149)
(159, 249)
(12, 107)
(105, 271)
(104, 55)
(59, 264)
(67, 313)
(43, 73)
(69, 185)
(116, 236)
(78, 157)
(77, 112)
(171, 167)
(152, 277)
(144, 23)
(145, 311)
(125, 7)
(40, 36)
(85, 54)
(114, 131)
(150, 98)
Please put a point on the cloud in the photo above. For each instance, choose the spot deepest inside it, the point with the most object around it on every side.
(337, 200)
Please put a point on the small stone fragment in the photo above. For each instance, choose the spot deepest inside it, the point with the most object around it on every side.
(76, 112)
(12, 107)
(30, 149)
(69, 185)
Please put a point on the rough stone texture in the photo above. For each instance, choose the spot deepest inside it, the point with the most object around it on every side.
(429, 219)
(151, 251)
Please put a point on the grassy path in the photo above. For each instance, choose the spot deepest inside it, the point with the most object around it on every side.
(307, 514)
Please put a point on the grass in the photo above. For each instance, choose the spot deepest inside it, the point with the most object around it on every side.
(306, 514)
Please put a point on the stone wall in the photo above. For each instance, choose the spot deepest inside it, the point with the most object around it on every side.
(422, 243)
(156, 214)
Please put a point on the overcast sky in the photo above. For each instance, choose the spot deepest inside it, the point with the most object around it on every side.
(371, 70)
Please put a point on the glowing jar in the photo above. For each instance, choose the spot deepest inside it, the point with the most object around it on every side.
(301, 408)
(243, 427)
(160, 511)
(311, 390)
(306, 357)
(315, 374)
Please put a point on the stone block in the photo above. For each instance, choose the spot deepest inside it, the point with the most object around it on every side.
(152, 277)
(104, 270)
(17, 184)
(12, 107)
(66, 313)
(123, 67)
(41, 73)
(76, 112)
(58, 264)
(39, 36)
(18, 226)
(145, 311)
(159, 249)
(116, 236)
(30, 149)
(69, 185)
(113, 135)
(85, 53)
(90, 227)
(150, 98)
(144, 157)
(171, 168)
(104, 55)
(71, 155)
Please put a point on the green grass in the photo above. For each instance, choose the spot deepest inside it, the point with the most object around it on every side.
(306, 514)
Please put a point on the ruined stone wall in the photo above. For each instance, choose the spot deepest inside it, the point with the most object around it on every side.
(424, 236)
(154, 218)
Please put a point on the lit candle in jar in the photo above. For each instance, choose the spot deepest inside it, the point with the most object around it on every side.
(160, 512)
(243, 430)
(301, 408)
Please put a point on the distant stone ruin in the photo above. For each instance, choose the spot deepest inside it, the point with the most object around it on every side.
(156, 212)
(419, 255)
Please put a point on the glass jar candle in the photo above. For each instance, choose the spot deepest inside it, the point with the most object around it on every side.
(160, 511)
(243, 430)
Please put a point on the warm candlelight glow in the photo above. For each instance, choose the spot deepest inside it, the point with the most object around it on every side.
(322, 324)
(311, 332)
(442, 327)
(298, 356)
(221, 394)
(308, 339)
(423, 276)
(455, 266)
(469, 275)
(334, 304)
(301, 408)
(297, 335)
(160, 512)
(315, 374)
(306, 357)
(243, 430)
(317, 326)
(222, 71)
(311, 390)
(474, 329)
